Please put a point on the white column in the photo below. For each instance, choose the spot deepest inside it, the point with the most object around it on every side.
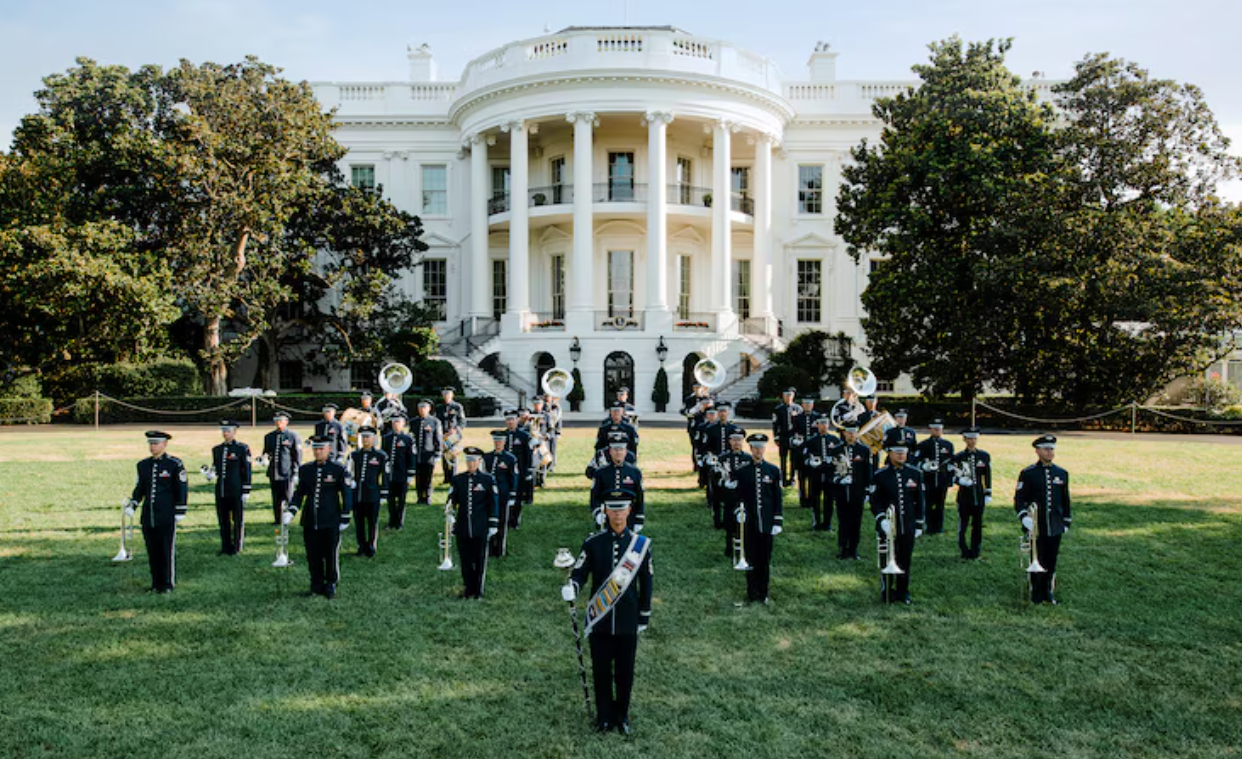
(579, 317)
(519, 224)
(761, 269)
(722, 233)
(480, 268)
(659, 319)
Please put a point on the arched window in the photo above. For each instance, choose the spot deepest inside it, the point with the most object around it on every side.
(618, 373)
(687, 373)
(543, 362)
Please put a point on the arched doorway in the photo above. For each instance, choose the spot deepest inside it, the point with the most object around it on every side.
(687, 373)
(618, 373)
(543, 362)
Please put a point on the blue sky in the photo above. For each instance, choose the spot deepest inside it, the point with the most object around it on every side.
(1190, 40)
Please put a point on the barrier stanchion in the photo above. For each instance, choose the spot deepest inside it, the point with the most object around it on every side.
(972, 411)
(1133, 418)
(97, 411)
(252, 412)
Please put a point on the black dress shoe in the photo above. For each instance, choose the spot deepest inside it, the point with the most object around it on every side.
(329, 592)
(1052, 600)
(602, 727)
(907, 600)
(624, 727)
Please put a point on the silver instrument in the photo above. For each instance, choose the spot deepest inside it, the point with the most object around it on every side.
(887, 546)
(739, 543)
(842, 470)
(1028, 547)
(558, 382)
(127, 533)
(396, 379)
(446, 540)
(208, 472)
(710, 373)
(861, 382)
(282, 546)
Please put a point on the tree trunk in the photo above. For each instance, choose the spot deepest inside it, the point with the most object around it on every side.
(217, 371)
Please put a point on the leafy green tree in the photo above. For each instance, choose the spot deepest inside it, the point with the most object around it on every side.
(821, 357)
(942, 196)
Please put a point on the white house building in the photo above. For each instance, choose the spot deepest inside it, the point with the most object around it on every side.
(612, 190)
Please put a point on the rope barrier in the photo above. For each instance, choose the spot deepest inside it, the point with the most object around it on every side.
(1052, 421)
(283, 407)
(1234, 422)
(120, 402)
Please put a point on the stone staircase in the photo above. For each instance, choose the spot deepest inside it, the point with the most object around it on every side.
(479, 384)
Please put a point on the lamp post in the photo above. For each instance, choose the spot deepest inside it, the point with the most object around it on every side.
(661, 350)
(575, 351)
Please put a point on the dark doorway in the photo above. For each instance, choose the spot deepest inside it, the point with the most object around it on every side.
(687, 373)
(618, 373)
(543, 362)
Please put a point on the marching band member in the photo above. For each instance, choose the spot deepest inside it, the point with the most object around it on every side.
(901, 435)
(850, 486)
(369, 468)
(868, 413)
(388, 407)
(503, 467)
(618, 561)
(398, 447)
(428, 448)
(729, 464)
(330, 428)
(900, 486)
(475, 504)
(517, 443)
(1045, 486)
(452, 416)
(692, 409)
(231, 462)
(933, 456)
(804, 428)
(759, 493)
(282, 449)
(631, 413)
(616, 423)
(815, 472)
(618, 474)
(162, 491)
(974, 492)
(716, 444)
(325, 489)
(784, 419)
(555, 430)
(698, 441)
(541, 433)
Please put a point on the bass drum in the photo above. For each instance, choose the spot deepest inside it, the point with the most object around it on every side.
(872, 433)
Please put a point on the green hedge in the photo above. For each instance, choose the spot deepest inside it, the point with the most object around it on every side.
(307, 405)
(164, 378)
(25, 410)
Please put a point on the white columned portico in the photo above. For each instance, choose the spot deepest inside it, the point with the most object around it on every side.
(722, 232)
(579, 316)
(480, 270)
(519, 228)
(659, 318)
(761, 270)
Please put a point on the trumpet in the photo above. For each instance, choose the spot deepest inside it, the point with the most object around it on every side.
(739, 543)
(127, 533)
(962, 474)
(446, 540)
(282, 546)
(208, 472)
(886, 546)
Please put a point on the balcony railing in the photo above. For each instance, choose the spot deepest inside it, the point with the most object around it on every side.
(618, 191)
(498, 204)
(694, 322)
(618, 320)
(552, 195)
(742, 202)
(546, 322)
(688, 195)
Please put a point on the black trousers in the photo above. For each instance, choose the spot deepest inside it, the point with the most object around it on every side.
(795, 471)
(819, 496)
(366, 526)
(612, 662)
(521, 497)
(759, 556)
(552, 450)
(231, 514)
(786, 474)
(498, 545)
(849, 520)
(161, 555)
(935, 507)
(893, 588)
(715, 502)
(423, 474)
(449, 468)
(969, 523)
(398, 491)
(472, 554)
(323, 556)
(730, 526)
(1047, 548)
(282, 493)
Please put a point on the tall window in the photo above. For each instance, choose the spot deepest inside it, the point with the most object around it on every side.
(740, 186)
(620, 283)
(683, 285)
(500, 181)
(809, 291)
(810, 189)
(741, 289)
(1234, 368)
(557, 173)
(435, 286)
(362, 177)
(684, 181)
(290, 375)
(435, 190)
(363, 375)
(621, 176)
(500, 285)
(558, 287)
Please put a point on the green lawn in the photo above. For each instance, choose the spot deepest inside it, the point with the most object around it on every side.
(1143, 658)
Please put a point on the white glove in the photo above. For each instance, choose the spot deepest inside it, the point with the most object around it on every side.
(599, 517)
(245, 498)
(129, 508)
(886, 527)
(286, 518)
(1027, 524)
(639, 528)
(777, 529)
(567, 592)
(179, 517)
(987, 500)
(492, 531)
(731, 485)
(918, 532)
(1066, 530)
(344, 525)
(642, 628)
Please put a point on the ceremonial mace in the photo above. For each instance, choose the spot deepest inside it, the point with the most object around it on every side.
(565, 560)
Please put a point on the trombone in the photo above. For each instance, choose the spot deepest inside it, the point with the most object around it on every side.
(739, 543)
(886, 546)
(446, 540)
(127, 532)
(1028, 552)
(282, 546)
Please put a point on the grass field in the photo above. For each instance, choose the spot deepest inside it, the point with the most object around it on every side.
(1142, 659)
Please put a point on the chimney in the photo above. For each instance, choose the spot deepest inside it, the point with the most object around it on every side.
(823, 63)
(422, 64)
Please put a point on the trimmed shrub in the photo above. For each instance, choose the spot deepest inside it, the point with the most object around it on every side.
(25, 410)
